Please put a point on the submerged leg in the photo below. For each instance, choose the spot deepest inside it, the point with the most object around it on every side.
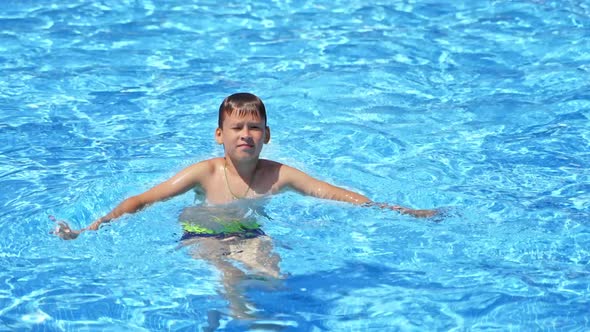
(216, 252)
(257, 255)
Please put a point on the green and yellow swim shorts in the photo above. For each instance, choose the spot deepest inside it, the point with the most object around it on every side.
(199, 223)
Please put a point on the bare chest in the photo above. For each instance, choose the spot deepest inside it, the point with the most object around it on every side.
(222, 188)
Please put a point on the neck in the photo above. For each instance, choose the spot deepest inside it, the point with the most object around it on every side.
(245, 169)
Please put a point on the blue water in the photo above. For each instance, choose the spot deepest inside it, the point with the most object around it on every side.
(480, 106)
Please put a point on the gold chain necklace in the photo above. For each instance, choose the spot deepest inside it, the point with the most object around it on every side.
(229, 188)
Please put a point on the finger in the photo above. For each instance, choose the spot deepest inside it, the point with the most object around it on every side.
(64, 229)
(57, 231)
(63, 224)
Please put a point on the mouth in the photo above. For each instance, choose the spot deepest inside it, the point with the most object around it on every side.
(250, 146)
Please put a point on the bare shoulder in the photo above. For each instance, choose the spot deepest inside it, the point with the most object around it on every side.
(205, 167)
(271, 166)
(283, 172)
(265, 164)
(213, 162)
(270, 175)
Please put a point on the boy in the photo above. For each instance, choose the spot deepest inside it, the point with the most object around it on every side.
(242, 130)
(226, 226)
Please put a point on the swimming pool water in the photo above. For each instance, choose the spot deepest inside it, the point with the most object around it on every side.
(480, 106)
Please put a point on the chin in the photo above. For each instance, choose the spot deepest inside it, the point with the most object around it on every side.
(245, 156)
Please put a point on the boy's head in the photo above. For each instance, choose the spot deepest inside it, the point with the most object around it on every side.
(242, 126)
(241, 104)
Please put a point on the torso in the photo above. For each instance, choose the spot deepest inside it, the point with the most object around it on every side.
(214, 189)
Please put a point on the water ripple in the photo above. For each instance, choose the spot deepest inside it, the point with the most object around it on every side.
(478, 106)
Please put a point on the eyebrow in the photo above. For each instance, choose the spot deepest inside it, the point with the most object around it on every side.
(239, 121)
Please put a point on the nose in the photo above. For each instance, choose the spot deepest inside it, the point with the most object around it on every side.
(245, 133)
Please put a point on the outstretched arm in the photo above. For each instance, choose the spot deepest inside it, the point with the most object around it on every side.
(308, 185)
(178, 184)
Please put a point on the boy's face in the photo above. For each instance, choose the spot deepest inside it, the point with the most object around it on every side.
(242, 136)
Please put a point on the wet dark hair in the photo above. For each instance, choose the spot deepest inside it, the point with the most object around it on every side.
(243, 103)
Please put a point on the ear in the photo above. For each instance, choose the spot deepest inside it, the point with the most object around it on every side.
(218, 136)
(267, 138)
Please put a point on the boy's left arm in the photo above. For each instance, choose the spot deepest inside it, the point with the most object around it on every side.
(308, 185)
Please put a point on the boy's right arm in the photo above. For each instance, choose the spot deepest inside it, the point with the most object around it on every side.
(178, 184)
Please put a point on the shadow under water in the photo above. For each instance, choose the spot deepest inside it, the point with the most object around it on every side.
(307, 302)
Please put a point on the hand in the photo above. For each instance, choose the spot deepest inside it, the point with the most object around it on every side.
(420, 213)
(63, 230)
(436, 215)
